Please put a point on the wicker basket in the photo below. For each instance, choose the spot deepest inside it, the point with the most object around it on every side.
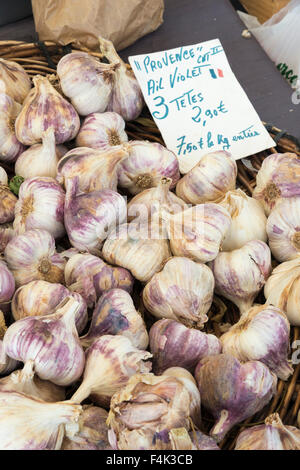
(42, 58)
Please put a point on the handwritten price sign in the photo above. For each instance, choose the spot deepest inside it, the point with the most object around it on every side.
(198, 104)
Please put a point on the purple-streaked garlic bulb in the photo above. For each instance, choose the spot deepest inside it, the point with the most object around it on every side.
(44, 107)
(40, 206)
(173, 344)
(182, 291)
(7, 204)
(86, 81)
(209, 180)
(7, 286)
(51, 341)
(41, 159)
(41, 298)
(143, 413)
(197, 232)
(32, 256)
(146, 164)
(272, 435)
(10, 147)
(92, 434)
(231, 391)
(203, 442)
(7, 364)
(6, 234)
(90, 217)
(90, 276)
(115, 314)
(240, 274)
(14, 80)
(126, 98)
(28, 423)
(262, 334)
(95, 169)
(102, 131)
(110, 362)
(278, 178)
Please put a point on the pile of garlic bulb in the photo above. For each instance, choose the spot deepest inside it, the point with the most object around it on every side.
(110, 264)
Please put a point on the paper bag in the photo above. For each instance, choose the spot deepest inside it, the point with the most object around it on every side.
(82, 21)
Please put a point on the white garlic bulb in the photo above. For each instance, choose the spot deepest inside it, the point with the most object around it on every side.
(102, 131)
(10, 147)
(248, 220)
(14, 81)
(3, 177)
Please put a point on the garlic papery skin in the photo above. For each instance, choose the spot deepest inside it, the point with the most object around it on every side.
(7, 364)
(44, 107)
(146, 164)
(131, 247)
(273, 435)
(209, 180)
(32, 256)
(90, 217)
(27, 423)
(231, 391)
(41, 298)
(86, 81)
(110, 362)
(7, 204)
(241, 274)
(40, 206)
(6, 234)
(40, 159)
(115, 314)
(197, 233)
(95, 169)
(126, 98)
(25, 381)
(92, 434)
(7, 286)
(51, 341)
(101, 131)
(182, 291)
(14, 80)
(277, 178)
(173, 344)
(262, 334)
(248, 220)
(3, 177)
(203, 442)
(10, 147)
(90, 276)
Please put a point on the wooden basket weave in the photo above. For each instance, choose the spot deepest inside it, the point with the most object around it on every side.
(42, 58)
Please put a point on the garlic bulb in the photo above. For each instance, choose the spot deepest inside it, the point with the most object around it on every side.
(7, 286)
(90, 276)
(40, 206)
(95, 169)
(89, 218)
(145, 204)
(102, 131)
(241, 274)
(27, 423)
(115, 314)
(248, 220)
(86, 81)
(262, 334)
(44, 107)
(173, 344)
(3, 177)
(146, 164)
(203, 442)
(126, 98)
(51, 341)
(209, 180)
(232, 391)
(32, 256)
(93, 431)
(6, 234)
(273, 435)
(277, 179)
(198, 232)
(41, 159)
(130, 247)
(182, 291)
(10, 147)
(14, 80)
(3, 329)
(24, 381)
(110, 362)
(7, 204)
(41, 298)
(282, 289)
(143, 413)
(7, 364)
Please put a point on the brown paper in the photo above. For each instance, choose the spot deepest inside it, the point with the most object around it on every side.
(82, 21)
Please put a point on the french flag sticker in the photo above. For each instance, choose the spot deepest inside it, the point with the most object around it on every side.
(216, 73)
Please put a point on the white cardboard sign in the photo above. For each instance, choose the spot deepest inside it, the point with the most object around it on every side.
(198, 104)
